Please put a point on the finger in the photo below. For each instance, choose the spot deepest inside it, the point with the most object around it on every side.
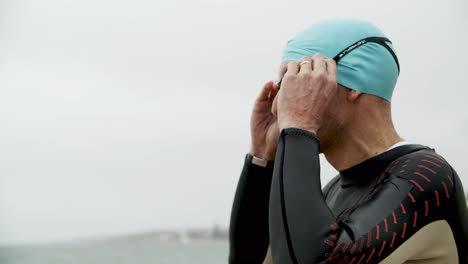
(276, 85)
(264, 93)
(274, 106)
(305, 65)
(293, 68)
(279, 83)
(282, 70)
(273, 93)
(319, 63)
(331, 69)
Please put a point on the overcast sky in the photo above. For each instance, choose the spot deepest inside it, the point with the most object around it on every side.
(126, 116)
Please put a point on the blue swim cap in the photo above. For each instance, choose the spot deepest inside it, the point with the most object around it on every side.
(366, 60)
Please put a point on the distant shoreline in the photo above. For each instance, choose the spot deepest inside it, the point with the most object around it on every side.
(169, 236)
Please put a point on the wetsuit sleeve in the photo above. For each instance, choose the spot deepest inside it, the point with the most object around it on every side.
(325, 191)
(299, 216)
(248, 230)
(410, 195)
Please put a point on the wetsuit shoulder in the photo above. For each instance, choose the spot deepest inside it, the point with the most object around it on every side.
(437, 193)
(430, 177)
(424, 167)
(303, 229)
(414, 200)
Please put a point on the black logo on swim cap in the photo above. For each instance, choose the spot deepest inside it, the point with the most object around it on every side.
(350, 48)
(379, 40)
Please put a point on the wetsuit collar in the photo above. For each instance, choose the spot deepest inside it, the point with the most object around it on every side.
(401, 143)
(366, 170)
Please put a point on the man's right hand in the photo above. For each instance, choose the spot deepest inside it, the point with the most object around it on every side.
(264, 128)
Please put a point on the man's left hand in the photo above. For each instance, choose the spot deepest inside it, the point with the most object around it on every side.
(306, 90)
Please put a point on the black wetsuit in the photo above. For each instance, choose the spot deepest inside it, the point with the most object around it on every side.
(363, 215)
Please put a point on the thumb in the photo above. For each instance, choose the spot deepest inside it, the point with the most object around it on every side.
(265, 92)
(274, 106)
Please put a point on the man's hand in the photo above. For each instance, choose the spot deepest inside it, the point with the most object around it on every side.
(263, 124)
(306, 90)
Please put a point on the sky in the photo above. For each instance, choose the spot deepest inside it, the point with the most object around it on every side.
(129, 116)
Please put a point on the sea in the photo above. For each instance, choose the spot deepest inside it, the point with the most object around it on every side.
(131, 251)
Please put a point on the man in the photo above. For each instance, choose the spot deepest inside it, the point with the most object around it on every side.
(392, 202)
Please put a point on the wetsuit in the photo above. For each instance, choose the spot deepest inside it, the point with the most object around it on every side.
(404, 205)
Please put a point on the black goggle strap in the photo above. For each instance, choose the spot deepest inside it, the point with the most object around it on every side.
(379, 40)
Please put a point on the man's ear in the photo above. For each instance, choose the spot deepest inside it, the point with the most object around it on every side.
(352, 95)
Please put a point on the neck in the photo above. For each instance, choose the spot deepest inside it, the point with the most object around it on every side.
(361, 141)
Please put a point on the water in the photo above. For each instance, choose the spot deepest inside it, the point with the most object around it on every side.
(119, 252)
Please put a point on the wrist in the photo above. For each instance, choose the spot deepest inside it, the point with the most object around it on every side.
(294, 131)
(258, 162)
(310, 129)
(264, 155)
(311, 126)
